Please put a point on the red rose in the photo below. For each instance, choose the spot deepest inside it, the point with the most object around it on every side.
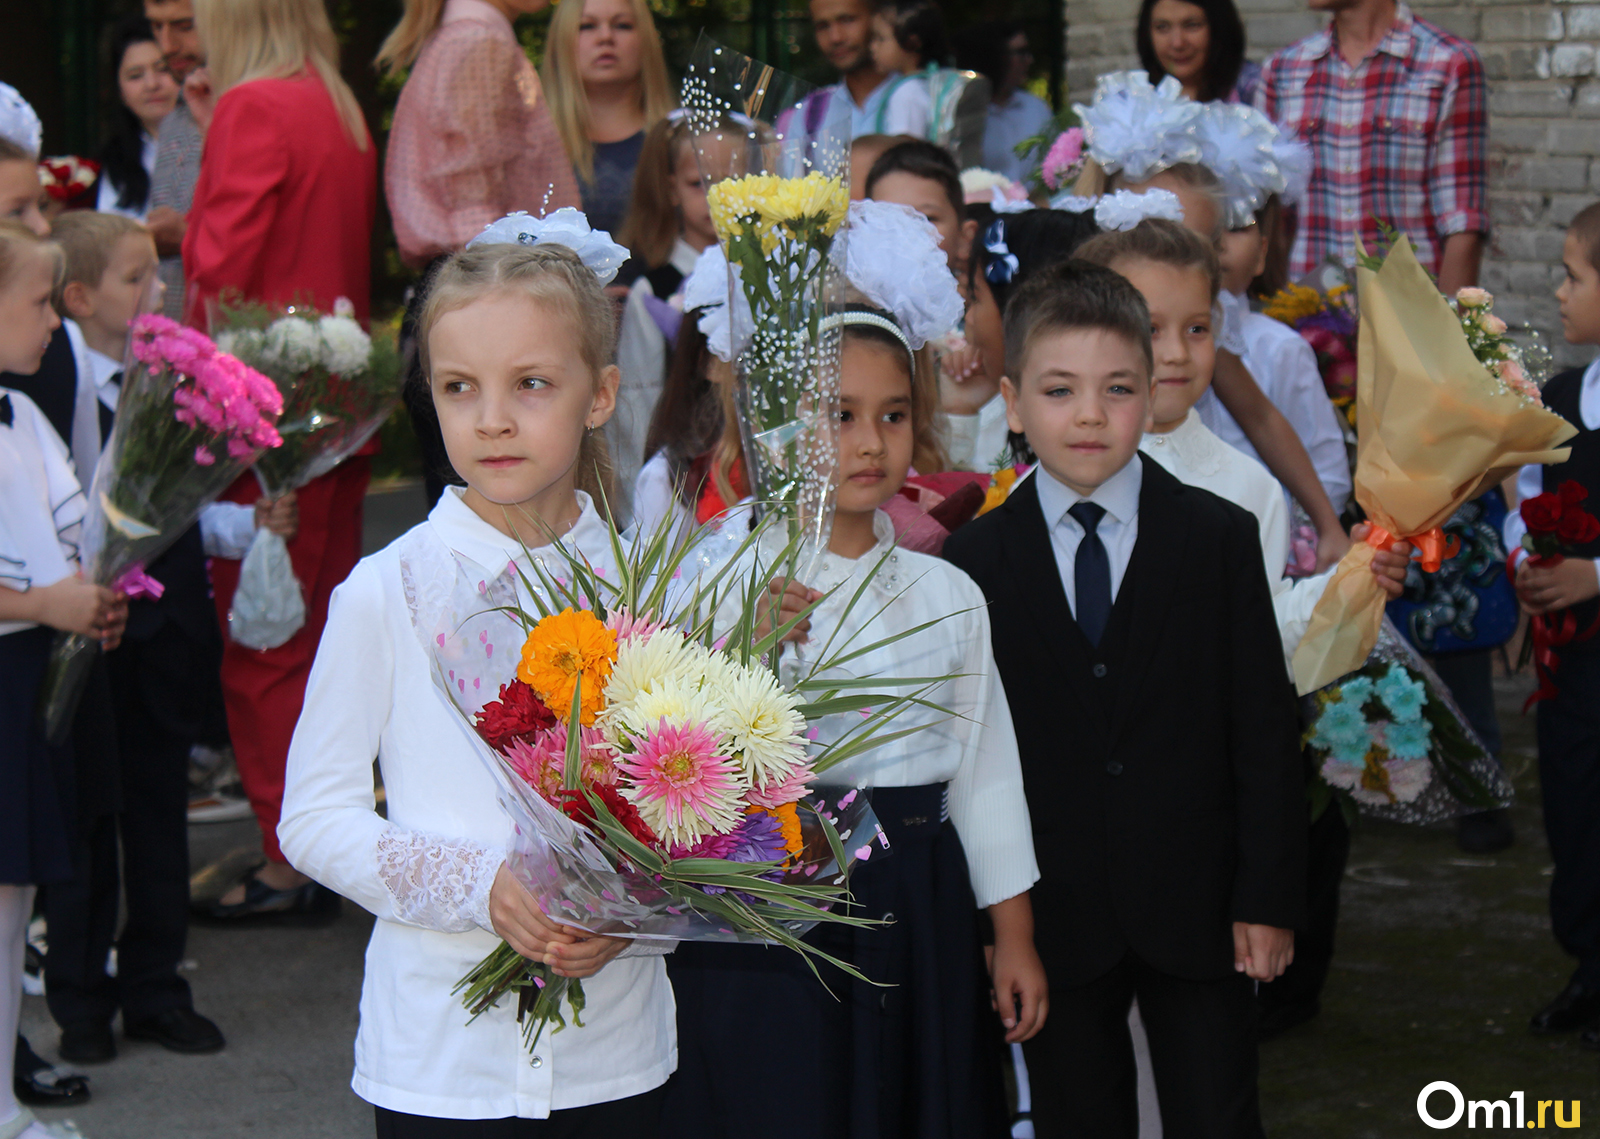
(1571, 493)
(1579, 527)
(1542, 513)
(576, 806)
(518, 714)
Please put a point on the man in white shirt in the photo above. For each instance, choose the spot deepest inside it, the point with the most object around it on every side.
(844, 33)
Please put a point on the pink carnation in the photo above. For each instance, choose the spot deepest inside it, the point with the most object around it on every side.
(203, 458)
(1064, 156)
(241, 450)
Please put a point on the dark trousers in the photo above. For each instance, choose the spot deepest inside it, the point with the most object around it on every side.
(152, 826)
(1202, 1047)
(636, 1117)
(1470, 678)
(1569, 775)
(1326, 856)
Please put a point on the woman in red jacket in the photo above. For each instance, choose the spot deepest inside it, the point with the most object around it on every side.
(283, 212)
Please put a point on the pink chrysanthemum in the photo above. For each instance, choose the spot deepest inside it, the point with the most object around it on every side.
(777, 792)
(543, 763)
(1064, 158)
(682, 784)
(627, 627)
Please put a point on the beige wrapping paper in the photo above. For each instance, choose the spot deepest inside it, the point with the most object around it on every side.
(1434, 428)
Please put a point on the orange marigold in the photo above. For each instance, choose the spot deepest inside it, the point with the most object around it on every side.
(560, 649)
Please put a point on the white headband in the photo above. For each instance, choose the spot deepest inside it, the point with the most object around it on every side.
(568, 227)
(872, 319)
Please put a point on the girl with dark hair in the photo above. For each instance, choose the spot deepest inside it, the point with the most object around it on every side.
(146, 92)
(1200, 43)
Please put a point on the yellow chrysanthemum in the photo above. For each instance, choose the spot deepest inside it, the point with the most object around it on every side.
(735, 204)
(798, 204)
(1294, 303)
(560, 649)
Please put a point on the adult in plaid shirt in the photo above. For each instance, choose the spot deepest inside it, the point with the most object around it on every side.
(1396, 113)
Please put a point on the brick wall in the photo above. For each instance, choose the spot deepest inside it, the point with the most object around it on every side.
(1544, 127)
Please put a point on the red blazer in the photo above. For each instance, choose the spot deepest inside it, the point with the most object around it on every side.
(285, 203)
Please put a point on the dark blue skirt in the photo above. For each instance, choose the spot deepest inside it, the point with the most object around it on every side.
(911, 1060)
(35, 844)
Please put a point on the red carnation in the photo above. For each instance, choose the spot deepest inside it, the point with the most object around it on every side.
(1542, 513)
(517, 715)
(1571, 493)
(1579, 527)
(576, 806)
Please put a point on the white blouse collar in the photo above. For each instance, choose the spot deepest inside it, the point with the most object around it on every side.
(460, 528)
(1192, 447)
(835, 569)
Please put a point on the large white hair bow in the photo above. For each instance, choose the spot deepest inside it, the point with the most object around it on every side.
(1253, 159)
(1126, 209)
(892, 257)
(18, 122)
(566, 226)
(708, 287)
(1138, 129)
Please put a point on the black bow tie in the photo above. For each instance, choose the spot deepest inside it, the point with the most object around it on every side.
(5, 410)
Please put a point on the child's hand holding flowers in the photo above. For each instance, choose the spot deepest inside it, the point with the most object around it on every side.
(1544, 587)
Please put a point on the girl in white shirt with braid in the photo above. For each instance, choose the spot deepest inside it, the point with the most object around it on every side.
(909, 1059)
(516, 343)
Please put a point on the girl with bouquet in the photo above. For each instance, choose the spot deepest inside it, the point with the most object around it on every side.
(41, 511)
(900, 1060)
(516, 342)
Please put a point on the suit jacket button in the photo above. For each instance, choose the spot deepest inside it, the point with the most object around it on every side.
(1099, 671)
(1113, 768)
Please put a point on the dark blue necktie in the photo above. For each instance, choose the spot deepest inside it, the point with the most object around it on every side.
(107, 416)
(1092, 573)
(5, 410)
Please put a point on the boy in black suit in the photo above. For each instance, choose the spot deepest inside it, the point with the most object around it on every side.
(1134, 630)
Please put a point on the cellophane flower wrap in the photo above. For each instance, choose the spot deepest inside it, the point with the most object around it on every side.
(774, 152)
(1389, 741)
(190, 420)
(338, 385)
(663, 781)
(1434, 426)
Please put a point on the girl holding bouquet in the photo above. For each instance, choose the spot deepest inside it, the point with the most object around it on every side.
(41, 509)
(900, 1060)
(516, 342)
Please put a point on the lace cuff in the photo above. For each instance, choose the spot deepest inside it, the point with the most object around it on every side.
(438, 883)
(647, 947)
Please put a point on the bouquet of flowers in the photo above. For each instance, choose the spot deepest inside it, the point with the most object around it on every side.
(1328, 321)
(1435, 426)
(1556, 522)
(664, 783)
(1389, 741)
(190, 419)
(338, 385)
(776, 156)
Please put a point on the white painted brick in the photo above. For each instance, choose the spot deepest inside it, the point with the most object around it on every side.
(1516, 209)
(1526, 243)
(1584, 23)
(1507, 23)
(1575, 137)
(1572, 60)
(1565, 207)
(1535, 99)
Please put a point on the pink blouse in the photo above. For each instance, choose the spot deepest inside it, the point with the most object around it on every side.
(472, 138)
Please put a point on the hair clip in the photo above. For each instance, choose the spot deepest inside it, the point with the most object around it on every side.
(568, 227)
(1002, 265)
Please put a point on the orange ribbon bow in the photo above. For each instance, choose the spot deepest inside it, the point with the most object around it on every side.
(1433, 545)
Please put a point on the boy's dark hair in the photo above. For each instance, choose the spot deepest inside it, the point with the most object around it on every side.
(1075, 295)
(918, 27)
(1224, 56)
(1586, 228)
(1036, 239)
(1159, 240)
(922, 159)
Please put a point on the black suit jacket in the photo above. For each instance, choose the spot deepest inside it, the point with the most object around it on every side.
(1162, 768)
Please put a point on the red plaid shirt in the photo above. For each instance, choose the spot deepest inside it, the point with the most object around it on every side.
(1402, 138)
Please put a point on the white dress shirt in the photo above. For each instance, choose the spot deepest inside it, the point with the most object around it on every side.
(864, 115)
(426, 870)
(1118, 530)
(1193, 454)
(41, 504)
(977, 442)
(1021, 116)
(1285, 367)
(1530, 479)
(975, 749)
(906, 109)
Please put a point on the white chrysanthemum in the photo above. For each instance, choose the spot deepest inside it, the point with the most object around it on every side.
(644, 664)
(761, 721)
(346, 349)
(245, 343)
(292, 343)
(676, 700)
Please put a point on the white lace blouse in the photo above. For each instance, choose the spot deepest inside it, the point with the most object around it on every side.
(426, 869)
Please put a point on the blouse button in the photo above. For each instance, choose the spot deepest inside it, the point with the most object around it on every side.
(1099, 671)
(538, 1062)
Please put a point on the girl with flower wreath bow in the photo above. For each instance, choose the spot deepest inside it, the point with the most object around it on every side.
(907, 1059)
(516, 342)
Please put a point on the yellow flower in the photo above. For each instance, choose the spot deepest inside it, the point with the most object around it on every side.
(798, 204)
(736, 204)
(999, 489)
(1294, 303)
(562, 648)
(788, 816)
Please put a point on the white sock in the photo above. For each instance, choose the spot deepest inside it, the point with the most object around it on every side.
(16, 905)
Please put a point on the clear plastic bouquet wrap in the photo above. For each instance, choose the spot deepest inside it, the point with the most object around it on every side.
(774, 152)
(1389, 741)
(664, 783)
(338, 385)
(190, 420)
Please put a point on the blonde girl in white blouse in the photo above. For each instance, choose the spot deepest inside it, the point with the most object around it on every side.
(41, 510)
(516, 343)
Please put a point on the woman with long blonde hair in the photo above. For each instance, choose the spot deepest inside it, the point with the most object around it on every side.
(606, 77)
(283, 213)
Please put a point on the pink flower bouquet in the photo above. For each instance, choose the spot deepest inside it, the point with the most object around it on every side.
(190, 420)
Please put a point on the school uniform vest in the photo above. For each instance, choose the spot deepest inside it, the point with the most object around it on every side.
(1561, 396)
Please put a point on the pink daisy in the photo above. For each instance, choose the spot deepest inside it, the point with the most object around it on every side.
(682, 785)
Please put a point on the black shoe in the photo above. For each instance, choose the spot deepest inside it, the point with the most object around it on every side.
(310, 904)
(176, 1030)
(1278, 1019)
(88, 1043)
(1485, 832)
(1577, 1006)
(50, 1087)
